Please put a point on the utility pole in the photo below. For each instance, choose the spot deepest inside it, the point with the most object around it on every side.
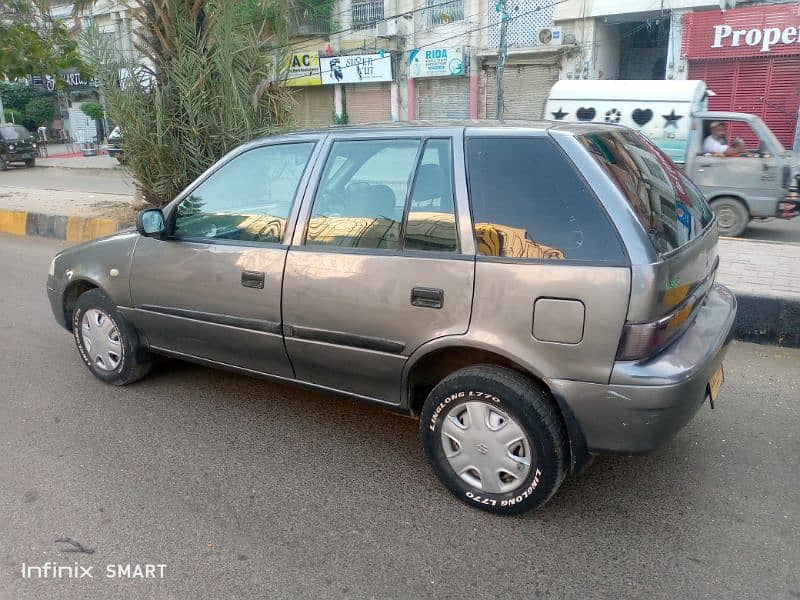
(2, 114)
(502, 54)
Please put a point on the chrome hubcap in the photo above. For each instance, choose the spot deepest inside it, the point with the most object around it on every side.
(101, 340)
(486, 447)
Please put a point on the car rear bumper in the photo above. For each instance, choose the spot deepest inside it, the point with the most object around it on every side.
(646, 403)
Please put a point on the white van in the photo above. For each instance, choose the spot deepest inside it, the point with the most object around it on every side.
(758, 182)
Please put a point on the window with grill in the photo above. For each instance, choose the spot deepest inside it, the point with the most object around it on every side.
(441, 13)
(366, 14)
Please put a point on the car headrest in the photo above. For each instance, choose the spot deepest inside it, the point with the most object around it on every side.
(381, 201)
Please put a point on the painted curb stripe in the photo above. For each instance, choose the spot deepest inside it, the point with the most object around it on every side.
(12, 221)
(72, 229)
(81, 229)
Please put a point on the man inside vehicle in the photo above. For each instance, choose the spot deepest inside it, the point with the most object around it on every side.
(717, 142)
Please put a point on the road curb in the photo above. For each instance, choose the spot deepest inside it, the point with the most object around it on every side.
(87, 170)
(71, 229)
(773, 320)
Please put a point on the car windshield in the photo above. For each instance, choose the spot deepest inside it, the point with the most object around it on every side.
(671, 209)
(766, 133)
(12, 133)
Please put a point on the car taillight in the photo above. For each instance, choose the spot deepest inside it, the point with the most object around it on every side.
(642, 340)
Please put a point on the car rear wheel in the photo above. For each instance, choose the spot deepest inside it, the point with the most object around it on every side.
(732, 216)
(31, 162)
(109, 345)
(494, 439)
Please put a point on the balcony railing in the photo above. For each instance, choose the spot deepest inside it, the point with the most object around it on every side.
(304, 23)
(366, 14)
(438, 13)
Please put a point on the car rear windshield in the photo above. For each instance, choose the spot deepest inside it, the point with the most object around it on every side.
(669, 206)
(14, 132)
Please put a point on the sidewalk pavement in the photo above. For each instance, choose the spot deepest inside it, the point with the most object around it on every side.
(67, 215)
(101, 161)
(765, 276)
(69, 156)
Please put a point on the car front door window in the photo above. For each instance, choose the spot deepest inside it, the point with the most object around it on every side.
(247, 199)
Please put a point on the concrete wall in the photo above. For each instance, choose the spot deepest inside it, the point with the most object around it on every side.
(575, 9)
(596, 52)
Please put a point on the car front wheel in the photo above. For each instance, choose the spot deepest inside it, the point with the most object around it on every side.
(108, 345)
(494, 439)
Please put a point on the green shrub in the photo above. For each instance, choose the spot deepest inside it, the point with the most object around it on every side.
(93, 110)
(39, 111)
(212, 91)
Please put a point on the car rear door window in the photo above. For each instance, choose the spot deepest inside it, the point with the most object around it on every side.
(362, 194)
(529, 202)
(248, 198)
(431, 220)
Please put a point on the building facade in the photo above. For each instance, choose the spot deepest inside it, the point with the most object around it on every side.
(382, 60)
(750, 58)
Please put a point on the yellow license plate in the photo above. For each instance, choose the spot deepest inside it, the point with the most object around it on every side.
(715, 383)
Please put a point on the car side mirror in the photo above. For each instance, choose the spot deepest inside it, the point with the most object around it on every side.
(150, 222)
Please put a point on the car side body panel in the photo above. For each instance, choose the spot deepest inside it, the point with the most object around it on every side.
(104, 263)
(504, 312)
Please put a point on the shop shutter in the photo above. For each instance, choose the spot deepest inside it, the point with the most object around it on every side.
(443, 98)
(368, 102)
(313, 106)
(767, 87)
(783, 98)
(526, 89)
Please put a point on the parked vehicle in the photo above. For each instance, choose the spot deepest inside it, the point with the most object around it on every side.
(17, 145)
(115, 145)
(758, 182)
(534, 293)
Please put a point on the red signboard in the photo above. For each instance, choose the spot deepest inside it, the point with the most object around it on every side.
(752, 31)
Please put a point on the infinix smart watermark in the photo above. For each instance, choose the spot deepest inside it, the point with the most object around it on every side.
(54, 570)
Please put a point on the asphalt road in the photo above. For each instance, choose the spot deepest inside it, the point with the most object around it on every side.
(72, 180)
(247, 489)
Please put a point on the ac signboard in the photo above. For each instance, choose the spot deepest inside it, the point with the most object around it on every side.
(303, 69)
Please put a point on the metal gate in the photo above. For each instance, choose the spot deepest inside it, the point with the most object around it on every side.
(527, 86)
(443, 98)
(368, 102)
(313, 106)
(768, 87)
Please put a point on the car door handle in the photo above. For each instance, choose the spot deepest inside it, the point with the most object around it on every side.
(427, 297)
(253, 279)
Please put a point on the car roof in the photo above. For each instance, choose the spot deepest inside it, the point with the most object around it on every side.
(468, 125)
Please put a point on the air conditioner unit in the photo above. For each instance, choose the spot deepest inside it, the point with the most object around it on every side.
(386, 29)
(549, 36)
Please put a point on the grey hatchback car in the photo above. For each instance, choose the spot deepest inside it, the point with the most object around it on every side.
(534, 292)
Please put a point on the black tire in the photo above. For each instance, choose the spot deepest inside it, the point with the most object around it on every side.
(527, 405)
(3, 164)
(732, 216)
(134, 361)
(31, 162)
